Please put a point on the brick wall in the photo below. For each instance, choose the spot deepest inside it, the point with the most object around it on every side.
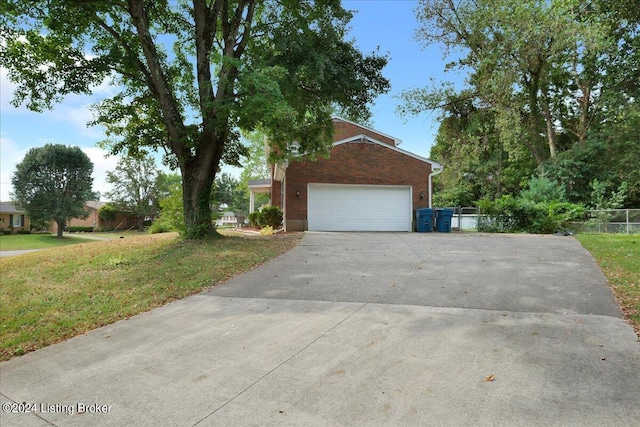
(343, 130)
(356, 163)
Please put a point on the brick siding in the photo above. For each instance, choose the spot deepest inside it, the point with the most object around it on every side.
(355, 163)
(343, 130)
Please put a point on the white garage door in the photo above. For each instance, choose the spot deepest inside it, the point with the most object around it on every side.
(342, 207)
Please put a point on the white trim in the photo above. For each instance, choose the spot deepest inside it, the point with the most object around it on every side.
(397, 141)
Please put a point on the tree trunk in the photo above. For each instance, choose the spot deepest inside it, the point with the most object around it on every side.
(196, 195)
(551, 131)
(60, 223)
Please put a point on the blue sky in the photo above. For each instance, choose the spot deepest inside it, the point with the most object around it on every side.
(387, 24)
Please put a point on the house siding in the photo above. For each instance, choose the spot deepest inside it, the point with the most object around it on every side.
(353, 163)
(121, 221)
(8, 213)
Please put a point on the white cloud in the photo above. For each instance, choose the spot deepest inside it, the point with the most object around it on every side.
(7, 88)
(78, 116)
(101, 165)
(10, 156)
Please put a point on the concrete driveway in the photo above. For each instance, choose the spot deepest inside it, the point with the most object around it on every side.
(358, 329)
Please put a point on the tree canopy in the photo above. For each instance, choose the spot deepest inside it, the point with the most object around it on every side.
(53, 182)
(191, 74)
(552, 89)
(134, 182)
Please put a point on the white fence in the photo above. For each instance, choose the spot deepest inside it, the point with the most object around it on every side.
(465, 218)
(616, 221)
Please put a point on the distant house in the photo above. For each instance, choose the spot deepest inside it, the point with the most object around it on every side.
(12, 218)
(228, 218)
(122, 221)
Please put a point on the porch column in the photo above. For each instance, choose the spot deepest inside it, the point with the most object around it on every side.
(251, 201)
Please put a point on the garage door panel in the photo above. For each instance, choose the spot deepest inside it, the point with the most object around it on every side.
(343, 207)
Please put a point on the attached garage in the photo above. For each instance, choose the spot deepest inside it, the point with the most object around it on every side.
(349, 207)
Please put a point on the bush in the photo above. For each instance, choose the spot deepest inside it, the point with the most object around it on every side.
(80, 229)
(159, 226)
(253, 219)
(270, 216)
(24, 231)
(266, 231)
(509, 214)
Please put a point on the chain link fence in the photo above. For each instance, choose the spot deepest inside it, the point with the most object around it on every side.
(616, 221)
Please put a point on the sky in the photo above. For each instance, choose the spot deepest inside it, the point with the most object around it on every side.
(385, 24)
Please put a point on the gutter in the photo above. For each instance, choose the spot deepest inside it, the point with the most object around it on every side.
(433, 173)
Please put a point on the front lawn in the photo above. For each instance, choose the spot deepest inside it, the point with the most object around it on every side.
(619, 258)
(18, 242)
(52, 295)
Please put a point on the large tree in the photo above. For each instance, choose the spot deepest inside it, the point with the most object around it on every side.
(53, 182)
(192, 73)
(551, 85)
(134, 182)
(540, 65)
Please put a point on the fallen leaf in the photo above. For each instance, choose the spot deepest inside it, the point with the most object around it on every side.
(490, 378)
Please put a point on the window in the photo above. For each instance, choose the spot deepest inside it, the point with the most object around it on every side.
(17, 221)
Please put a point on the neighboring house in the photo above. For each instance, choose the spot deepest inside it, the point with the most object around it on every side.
(122, 221)
(12, 218)
(367, 184)
(228, 218)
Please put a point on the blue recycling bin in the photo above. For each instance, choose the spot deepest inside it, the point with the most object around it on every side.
(443, 220)
(424, 220)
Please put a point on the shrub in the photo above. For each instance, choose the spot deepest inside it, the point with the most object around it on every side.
(24, 231)
(266, 231)
(542, 189)
(80, 229)
(270, 216)
(508, 214)
(253, 219)
(159, 226)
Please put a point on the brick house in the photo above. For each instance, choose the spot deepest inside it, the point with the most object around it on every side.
(366, 184)
(12, 218)
(93, 219)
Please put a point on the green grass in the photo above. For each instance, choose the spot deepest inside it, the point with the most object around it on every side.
(51, 295)
(15, 242)
(619, 258)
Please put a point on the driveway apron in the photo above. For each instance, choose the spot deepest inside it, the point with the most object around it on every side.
(359, 329)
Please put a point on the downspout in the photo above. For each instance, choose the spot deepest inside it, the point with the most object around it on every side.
(433, 173)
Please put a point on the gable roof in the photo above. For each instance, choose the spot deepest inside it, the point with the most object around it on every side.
(396, 141)
(9, 207)
(94, 204)
(362, 138)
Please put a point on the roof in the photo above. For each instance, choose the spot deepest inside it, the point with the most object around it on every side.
(9, 207)
(229, 213)
(95, 204)
(259, 182)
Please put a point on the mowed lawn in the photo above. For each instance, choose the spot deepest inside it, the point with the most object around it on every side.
(619, 258)
(18, 242)
(54, 294)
